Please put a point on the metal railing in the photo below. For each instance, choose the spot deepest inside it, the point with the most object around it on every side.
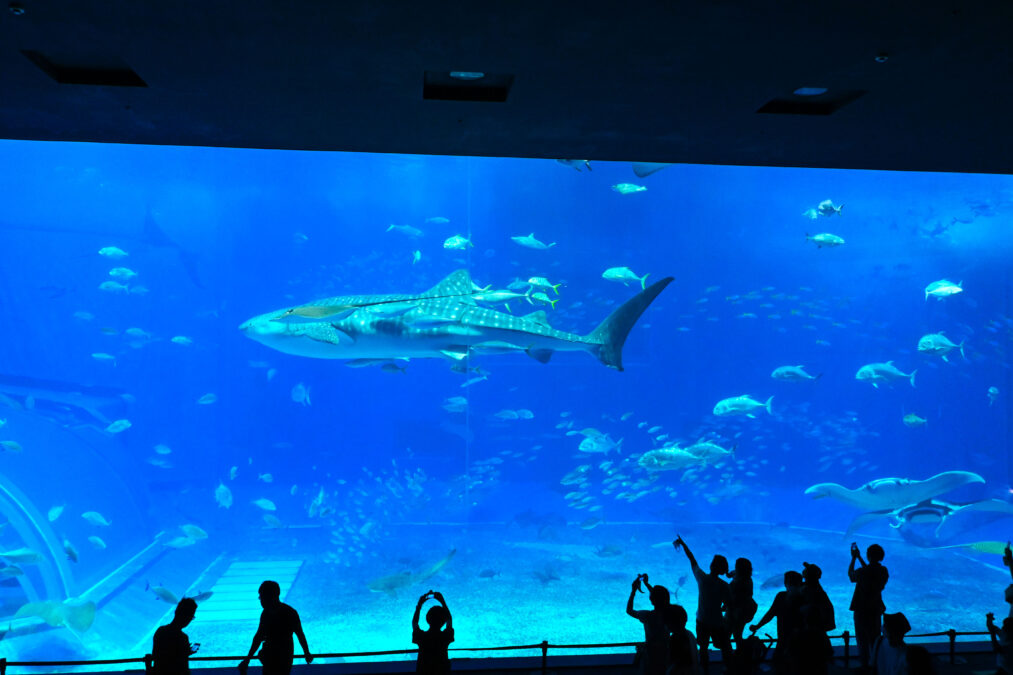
(543, 646)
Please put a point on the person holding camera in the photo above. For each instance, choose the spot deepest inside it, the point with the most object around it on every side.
(867, 601)
(653, 658)
(433, 643)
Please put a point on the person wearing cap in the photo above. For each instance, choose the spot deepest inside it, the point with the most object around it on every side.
(815, 600)
(890, 651)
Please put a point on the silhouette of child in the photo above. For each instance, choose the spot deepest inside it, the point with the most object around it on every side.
(654, 656)
(712, 600)
(867, 601)
(890, 650)
(683, 657)
(1002, 641)
(741, 606)
(171, 648)
(787, 607)
(278, 623)
(433, 643)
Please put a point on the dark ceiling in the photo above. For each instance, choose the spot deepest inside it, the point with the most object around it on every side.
(912, 86)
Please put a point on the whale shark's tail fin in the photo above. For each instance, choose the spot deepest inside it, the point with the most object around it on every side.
(611, 333)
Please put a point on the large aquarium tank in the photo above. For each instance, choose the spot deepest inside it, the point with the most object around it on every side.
(514, 381)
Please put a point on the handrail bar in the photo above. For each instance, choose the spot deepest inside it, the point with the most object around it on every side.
(538, 646)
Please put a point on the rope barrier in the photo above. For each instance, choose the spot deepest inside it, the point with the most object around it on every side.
(543, 646)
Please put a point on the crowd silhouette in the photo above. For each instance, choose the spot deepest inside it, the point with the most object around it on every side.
(803, 615)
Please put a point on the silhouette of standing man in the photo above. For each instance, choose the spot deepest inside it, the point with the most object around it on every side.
(171, 648)
(278, 622)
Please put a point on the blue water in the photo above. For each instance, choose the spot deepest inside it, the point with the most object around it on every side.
(216, 237)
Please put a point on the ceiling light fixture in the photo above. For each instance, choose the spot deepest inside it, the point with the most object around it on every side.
(466, 75)
(810, 91)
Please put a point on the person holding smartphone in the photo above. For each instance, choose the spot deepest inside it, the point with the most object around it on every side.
(170, 647)
(433, 643)
(867, 600)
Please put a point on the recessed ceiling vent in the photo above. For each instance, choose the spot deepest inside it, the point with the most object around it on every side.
(466, 85)
(106, 71)
(811, 101)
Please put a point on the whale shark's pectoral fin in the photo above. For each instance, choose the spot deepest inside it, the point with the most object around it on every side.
(342, 335)
(540, 355)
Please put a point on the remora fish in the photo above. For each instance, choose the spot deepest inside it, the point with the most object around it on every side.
(444, 322)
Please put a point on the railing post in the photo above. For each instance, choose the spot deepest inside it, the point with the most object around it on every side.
(3, 666)
(847, 648)
(148, 664)
(545, 656)
(952, 634)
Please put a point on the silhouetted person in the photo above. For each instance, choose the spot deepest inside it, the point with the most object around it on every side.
(787, 608)
(1007, 560)
(171, 648)
(433, 642)
(683, 657)
(654, 657)
(1002, 641)
(712, 599)
(816, 599)
(741, 607)
(890, 651)
(919, 661)
(811, 649)
(867, 601)
(278, 623)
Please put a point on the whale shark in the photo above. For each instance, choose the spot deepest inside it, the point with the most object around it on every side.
(444, 322)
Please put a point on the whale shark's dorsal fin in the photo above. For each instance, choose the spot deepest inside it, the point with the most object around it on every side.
(538, 317)
(455, 283)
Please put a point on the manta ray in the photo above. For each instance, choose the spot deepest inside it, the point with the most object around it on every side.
(890, 494)
(444, 322)
(933, 522)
